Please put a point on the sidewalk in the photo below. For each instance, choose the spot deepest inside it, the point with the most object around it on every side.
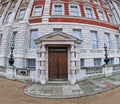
(84, 88)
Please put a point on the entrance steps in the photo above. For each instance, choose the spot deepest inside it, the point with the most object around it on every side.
(58, 82)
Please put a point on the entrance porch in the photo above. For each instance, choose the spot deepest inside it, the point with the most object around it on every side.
(58, 58)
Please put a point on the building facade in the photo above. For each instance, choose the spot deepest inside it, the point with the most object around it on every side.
(57, 39)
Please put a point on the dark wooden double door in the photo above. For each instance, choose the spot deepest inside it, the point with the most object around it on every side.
(57, 63)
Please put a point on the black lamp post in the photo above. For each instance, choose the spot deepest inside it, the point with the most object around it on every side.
(11, 59)
(106, 60)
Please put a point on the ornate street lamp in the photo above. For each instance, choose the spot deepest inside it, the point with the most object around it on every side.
(106, 60)
(11, 59)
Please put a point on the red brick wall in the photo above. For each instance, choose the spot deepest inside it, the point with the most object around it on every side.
(90, 22)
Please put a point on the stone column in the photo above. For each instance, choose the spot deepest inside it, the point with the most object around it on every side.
(42, 66)
(28, 11)
(73, 67)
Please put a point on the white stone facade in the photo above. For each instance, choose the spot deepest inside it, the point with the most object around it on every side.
(22, 52)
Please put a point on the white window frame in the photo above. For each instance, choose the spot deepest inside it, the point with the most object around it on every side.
(93, 14)
(117, 40)
(111, 21)
(8, 19)
(19, 17)
(1, 36)
(34, 10)
(53, 8)
(98, 61)
(79, 37)
(31, 67)
(96, 2)
(108, 42)
(86, 0)
(32, 40)
(99, 10)
(14, 38)
(94, 46)
(14, 3)
(111, 61)
(70, 13)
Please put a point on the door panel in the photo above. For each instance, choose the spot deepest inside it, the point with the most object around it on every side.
(52, 65)
(58, 63)
(62, 64)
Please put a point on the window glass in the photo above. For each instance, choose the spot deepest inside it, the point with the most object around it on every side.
(33, 36)
(8, 17)
(37, 11)
(89, 13)
(94, 39)
(21, 14)
(77, 33)
(97, 62)
(74, 10)
(107, 40)
(30, 63)
(101, 15)
(58, 9)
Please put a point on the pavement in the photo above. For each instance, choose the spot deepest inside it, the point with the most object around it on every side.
(67, 90)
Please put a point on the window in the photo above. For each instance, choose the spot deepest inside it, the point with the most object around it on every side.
(21, 14)
(57, 10)
(117, 41)
(82, 62)
(37, 11)
(30, 63)
(14, 38)
(101, 15)
(107, 40)
(119, 60)
(111, 61)
(97, 62)
(14, 3)
(94, 40)
(111, 18)
(57, 29)
(26, 1)
(85, 0)
(74, 10)
(8, 17)
(89, 13)
(1, 38)
(77, 33)
(96, 2)
(33, 36)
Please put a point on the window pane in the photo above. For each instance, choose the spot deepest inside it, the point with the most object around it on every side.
(101, 15)
(21, 13)
(89, 13)
(97, 62)
(77, 33)
(111, 61)
(30, 63)
(58, 9)
(37, 11)
(82, 63)
(33, 36)
(1, 39)
(74, 10)
(14, 38)
(117, 41)
(107, 40)
(94, 39)
(8, 17)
